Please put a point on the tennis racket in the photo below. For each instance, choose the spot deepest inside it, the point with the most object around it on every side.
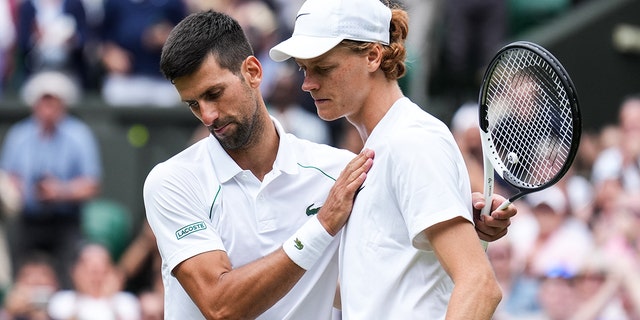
(530, 121)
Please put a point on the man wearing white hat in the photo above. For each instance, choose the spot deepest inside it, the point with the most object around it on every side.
(54, 159)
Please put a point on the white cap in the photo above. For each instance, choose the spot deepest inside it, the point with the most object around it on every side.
(52, 83)
(323, 24)
(552, 197)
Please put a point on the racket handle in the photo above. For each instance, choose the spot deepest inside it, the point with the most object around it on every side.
(504, 205)
(487, 207)
(488, 187)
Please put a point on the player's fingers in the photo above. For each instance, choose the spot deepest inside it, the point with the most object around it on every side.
(355, 172)
(477, 200)
(489, 237)
(492, 222)
(338, 205)
(504, 214)
(495, 229)
(497, 200)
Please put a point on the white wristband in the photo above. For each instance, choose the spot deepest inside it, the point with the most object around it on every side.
(307, 245)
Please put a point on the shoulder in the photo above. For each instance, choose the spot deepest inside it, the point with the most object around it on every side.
(20, 130)
(187, 164)
(22, 124)
(420, 131)
(413, 138)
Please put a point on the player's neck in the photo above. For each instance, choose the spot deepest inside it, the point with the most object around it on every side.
(375, 107)
(260, 156)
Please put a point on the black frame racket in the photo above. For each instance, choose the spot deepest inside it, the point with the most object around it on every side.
(530, 121)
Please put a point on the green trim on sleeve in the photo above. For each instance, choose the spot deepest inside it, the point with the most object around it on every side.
(214, 201)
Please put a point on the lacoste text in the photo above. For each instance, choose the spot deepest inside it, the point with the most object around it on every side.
(187, 230)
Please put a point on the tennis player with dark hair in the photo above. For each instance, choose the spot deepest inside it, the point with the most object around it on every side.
(409, 250)
(247, 220)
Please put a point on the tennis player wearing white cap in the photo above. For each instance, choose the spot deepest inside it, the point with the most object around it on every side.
(409, 249)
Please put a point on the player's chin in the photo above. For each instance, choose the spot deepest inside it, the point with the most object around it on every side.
(327, 115)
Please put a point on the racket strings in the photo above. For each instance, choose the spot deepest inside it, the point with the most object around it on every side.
(529, 116)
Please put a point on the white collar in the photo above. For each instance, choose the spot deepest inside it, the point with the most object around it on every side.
(226, 168)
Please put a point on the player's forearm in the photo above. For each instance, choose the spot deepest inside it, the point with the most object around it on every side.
(223, 292)
(476, 291)
(299, 253)
(476, 299)
(244, 292)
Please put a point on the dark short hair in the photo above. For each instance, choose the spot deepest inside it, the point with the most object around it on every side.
(199, 35)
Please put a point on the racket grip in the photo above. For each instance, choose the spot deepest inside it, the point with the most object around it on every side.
(504, 205)
(488, 187)
(487, 207)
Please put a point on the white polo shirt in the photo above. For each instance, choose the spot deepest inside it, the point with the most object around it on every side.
(418, 179)
(200, 200)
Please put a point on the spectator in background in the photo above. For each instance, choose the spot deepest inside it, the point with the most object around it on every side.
(545, 239)
(601, 287)
(615, 174)
(259, 23)
(36, 281)
(500, 254)
(51, 36)
(616, 230)
(140, 266)
(283, 103)
(7, 38)
(619, 164)
(54, 158)
(557, 296)
(10, 206)
(465, 129)
(151, 305)
(133, 33)
(97, 290)
(140, 263)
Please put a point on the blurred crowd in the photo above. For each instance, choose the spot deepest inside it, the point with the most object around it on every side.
(112, 47)
(571, 252)
(573, 249)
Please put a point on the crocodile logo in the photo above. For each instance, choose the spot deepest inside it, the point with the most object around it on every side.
(298, 244)
(312, 211)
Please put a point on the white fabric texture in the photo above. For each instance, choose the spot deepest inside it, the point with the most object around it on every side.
(418, 179)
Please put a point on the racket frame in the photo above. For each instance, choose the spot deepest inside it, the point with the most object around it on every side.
(491, 162)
